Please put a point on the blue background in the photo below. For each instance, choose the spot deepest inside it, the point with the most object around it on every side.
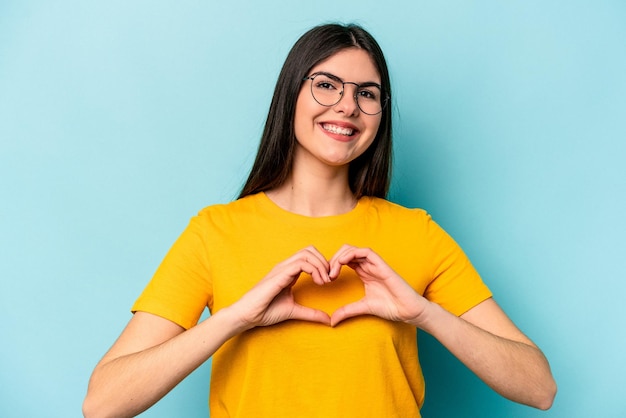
(120, 120)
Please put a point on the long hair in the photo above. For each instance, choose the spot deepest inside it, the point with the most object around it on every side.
(369, 174)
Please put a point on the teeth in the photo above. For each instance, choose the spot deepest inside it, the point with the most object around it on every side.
(338, 130)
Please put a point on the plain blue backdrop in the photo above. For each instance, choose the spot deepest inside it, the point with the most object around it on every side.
(120, 120)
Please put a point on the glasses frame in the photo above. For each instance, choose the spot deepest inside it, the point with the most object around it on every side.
(383, 100)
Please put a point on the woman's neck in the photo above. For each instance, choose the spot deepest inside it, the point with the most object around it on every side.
(315, 194)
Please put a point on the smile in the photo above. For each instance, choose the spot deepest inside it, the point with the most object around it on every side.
(337, 129)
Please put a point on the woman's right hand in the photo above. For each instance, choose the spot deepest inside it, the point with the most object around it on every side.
(271, 300)
(140, 368)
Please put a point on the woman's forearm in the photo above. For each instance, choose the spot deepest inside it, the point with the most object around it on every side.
(517, 370)
(153, 354)
(127, 385)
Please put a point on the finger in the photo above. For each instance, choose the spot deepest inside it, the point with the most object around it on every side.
(344, 248)
(314, 268)
(318, 255)
(356, 254)
(323, 266)
(352, 257)
(315, 264)
(303, 262)
(349, 311)
(308, 260)
(286, 275)
(335, 265)
(309, 314)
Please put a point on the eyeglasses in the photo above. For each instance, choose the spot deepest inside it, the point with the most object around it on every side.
(328, 89)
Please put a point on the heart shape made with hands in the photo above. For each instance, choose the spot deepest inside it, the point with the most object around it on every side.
(345, 289)
(361, 282)
(354, 282)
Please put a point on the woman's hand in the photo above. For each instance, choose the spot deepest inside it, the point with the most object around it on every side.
(387, 295)
(271, 300)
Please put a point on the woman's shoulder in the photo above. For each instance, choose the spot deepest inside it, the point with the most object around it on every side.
(384, 206)
(238, 207)
(227, 216)
(409, 221)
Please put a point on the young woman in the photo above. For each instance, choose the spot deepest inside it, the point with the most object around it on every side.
(315, 283)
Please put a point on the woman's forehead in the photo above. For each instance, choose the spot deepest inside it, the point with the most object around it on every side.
(351, 64)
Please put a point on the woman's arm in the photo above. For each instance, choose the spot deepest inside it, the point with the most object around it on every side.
(153, 354)
(490, 345)
(484, 338)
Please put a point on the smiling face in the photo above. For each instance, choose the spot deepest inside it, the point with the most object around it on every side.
(336, 135)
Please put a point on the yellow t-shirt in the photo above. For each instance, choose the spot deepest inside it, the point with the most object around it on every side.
(364, 367)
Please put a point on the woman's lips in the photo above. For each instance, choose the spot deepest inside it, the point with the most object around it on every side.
(340, 131)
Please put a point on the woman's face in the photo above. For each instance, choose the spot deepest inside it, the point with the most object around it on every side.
(338, 134)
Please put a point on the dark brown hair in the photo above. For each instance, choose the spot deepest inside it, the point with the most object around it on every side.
(369, 174)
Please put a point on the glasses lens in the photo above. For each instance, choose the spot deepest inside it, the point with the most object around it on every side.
(368, 98)
(327, 91)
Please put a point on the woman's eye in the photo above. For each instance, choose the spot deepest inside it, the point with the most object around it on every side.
(368, 94)
(325, 85)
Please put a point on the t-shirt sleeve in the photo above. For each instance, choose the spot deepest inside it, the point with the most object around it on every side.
(181, 287)
(455, 285)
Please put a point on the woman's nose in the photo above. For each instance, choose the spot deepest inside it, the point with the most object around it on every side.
(348, 102)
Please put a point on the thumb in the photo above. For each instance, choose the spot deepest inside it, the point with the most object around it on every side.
(309, 314)
(349, 311)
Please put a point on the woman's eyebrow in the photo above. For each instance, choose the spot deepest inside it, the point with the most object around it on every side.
(329, 75)
(334, 77)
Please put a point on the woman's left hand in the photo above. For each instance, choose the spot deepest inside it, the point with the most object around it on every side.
(387, 295)
(484, 338)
